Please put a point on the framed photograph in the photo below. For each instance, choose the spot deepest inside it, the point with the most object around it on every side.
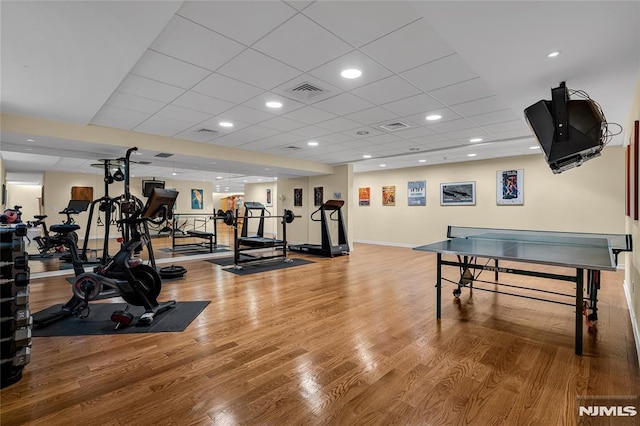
(318, 197)
(297, 197)
(417, 193)
(458, 194)
(337, 195)
(389, 195)
(510, 187)
(197, 199)
(269, 202)
(364, 196)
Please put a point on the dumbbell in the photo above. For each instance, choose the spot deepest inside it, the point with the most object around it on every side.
(21, 318)
(21, 337)
(21, 357)
(21, 298)
(122, 318)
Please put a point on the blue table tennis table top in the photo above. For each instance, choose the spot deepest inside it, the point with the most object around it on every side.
(569, 249)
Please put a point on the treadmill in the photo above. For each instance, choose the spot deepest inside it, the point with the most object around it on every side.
(327, 248)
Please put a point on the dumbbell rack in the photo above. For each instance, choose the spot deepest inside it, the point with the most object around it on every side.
(15, 318)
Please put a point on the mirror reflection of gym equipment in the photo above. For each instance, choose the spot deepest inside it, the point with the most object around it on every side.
(327, 248)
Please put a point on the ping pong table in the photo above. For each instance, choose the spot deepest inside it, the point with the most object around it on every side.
(584, 252)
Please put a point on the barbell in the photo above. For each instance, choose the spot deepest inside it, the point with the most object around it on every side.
(229, 218)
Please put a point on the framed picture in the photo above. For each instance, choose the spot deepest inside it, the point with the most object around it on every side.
(627, 162)
(417, 193)
(389, 195)
(636, 167)
(318, 197)
(197, 199)
(269, 202)
(297, 197)
(364, 196)
(458, 194)
(337, 195)
(510, 187)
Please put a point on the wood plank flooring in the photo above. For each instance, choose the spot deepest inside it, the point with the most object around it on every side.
(345, 341)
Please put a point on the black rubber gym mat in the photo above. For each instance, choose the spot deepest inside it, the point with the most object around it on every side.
(194, 250)
(255, 268)
(99, 321)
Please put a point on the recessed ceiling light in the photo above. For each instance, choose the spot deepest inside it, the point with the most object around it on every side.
(218, 177)
(471, 155)
(351, 73)
(259, 180)
(433, 117)
(274, 104)
(383, 165)
(312, 143)
(29, 149)
(422, 161)
(553, 54)
(366, 156)
(30, 140)
(225, 124)
(534, 147)
(174, 174)
(245, 181)
(475, 140)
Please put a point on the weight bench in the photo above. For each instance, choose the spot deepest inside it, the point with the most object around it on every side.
(211, 239)
(208, 236)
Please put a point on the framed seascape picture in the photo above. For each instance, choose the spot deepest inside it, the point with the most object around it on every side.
(269, 202)
(389, 195)
(417, 193)
(510, 187)
(318, 196)
(197, 199)
(297, 197)
(364, 196)
(458, 194)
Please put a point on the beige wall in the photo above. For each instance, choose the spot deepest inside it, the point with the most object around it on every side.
(257, 192)
(585, 199)
(632, 270)
(27, 196)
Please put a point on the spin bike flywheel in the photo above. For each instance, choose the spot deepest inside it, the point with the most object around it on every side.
(151, 282)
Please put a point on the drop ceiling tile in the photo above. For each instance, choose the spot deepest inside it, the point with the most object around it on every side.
(451, 126)
(214, 124)
(494, 117)
(339, 124)
(413, 105)
(414, 132)
(157, 66)
(344, 103)
(302, 43)
(243, 21)
(384, 139)
(299, 4)
(288, 104)
(359, 22)
(183, 114)
(111, 116)
(363, 132)
(259, 70)
(135, 103)
(150, 89)
(507, 126)
(245, 135)
(372, 116)
(386, 90)
(203, 103)
(361, 145)
(164, 126)
(446, 114)
(283, 124)
(479, 106)
(335, 138)
(310, 115)
(430, 140)
(228, 89)
(371, 71)
(311, 132)
(246, 115)
(466, 134)
(408, 47)
(463, 92)
(443, 72)
(272, 142)
(192, 43)
(196, 134)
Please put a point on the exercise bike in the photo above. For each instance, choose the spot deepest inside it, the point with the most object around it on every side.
(124, 275)
(48, 242)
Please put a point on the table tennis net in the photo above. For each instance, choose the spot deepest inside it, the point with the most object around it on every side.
(617, 242)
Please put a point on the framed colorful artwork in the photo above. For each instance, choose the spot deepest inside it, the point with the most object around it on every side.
(389, 195)
(197, 199)
(417, 193)
(510, 187)
(364, 196)
(458, 194)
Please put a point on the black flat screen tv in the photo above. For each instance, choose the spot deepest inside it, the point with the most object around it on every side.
(569, 131)
(148, 185)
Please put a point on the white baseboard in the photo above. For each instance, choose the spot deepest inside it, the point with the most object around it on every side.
(634, 320)
(384, 243)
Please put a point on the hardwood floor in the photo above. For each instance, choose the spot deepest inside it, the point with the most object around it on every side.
(343, 341)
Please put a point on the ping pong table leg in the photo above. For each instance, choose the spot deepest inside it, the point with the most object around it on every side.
(496, 271)
(579, 290)
(439, 287)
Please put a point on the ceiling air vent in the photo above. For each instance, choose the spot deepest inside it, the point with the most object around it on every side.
(203, 130)
(306, 91)
(398, 125)
(293, 148)
(163, 155)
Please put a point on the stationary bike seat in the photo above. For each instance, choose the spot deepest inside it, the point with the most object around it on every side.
(63, 228)
(40, 216)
